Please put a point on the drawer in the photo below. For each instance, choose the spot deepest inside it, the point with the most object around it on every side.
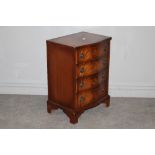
(91, 82)
(90, 68)
(88, 97)
(92, 52)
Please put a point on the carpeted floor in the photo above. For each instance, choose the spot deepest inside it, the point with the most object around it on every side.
(25, 111)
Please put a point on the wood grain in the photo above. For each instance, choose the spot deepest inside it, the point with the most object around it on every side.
(90, 68)
(79, 39)
(91, 81)
(92, 52)
(58, 90)
(88, 97)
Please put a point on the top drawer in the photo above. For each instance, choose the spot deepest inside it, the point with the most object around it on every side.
(92, 52)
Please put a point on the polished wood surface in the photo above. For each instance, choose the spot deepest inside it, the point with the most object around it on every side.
(78, 73)
(92, 52)
(87, 97)
(79, 39)
(91, 82)
(90, 68)
(60, 74)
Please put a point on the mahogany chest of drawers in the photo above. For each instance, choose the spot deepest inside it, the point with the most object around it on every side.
(78, 73)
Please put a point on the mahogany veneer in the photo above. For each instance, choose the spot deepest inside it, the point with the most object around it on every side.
(78, 73)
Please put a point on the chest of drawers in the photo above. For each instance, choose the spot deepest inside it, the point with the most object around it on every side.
(78, 73)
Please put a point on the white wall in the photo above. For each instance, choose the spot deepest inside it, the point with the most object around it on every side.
(23, 59)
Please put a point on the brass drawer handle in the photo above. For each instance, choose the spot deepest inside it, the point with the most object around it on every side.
(82, 70)
(81, 55)
(81, 84)
(82, 98)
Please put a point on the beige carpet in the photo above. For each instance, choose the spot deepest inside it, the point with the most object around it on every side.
(21, 111)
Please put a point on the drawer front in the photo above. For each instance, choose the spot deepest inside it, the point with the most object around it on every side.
(92, 52)
(91, 68)
(91, 82)
(88, 97)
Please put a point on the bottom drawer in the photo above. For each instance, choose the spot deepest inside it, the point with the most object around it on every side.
(87, 97)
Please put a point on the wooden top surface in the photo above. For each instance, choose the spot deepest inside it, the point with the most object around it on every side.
(79, 39)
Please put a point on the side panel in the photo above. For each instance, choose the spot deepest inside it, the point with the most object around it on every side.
(60, 64)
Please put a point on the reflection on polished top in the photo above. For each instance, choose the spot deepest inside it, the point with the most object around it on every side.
(79, 39)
